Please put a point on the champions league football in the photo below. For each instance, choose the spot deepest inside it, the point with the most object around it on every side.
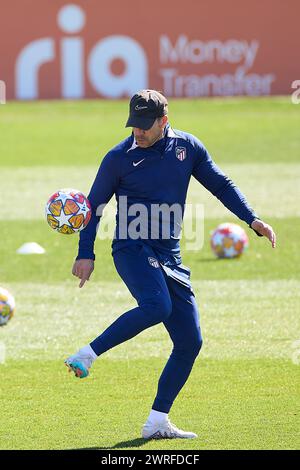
(68, 211)
(229, 241)
(7, 306)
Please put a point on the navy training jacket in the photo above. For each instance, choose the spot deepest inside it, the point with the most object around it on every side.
(151, 176)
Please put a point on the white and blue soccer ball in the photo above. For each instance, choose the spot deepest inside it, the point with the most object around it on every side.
(229, 241)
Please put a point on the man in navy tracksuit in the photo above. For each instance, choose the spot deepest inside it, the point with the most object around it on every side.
(150, 169)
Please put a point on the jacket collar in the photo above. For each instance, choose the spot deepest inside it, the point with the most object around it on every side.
(168, 134)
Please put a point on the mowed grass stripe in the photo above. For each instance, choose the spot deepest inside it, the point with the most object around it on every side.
(272, 189)
(240, 319)
(259, 262)
(230, 404)
(233, 129)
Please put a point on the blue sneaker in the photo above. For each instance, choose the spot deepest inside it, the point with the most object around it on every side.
(80, 363)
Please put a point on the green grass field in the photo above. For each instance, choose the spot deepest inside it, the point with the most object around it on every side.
(244, 391)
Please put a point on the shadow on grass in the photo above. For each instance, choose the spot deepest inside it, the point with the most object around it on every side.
(218, 260)
(209, 260)
(120, 445)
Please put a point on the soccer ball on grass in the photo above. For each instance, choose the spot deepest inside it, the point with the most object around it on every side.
(229, 241)
(7, 306)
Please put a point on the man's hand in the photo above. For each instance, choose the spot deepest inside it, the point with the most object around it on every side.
(265, 230)
(83, 269)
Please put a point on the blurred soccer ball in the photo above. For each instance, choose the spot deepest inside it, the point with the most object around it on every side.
(7, 306)
(229, 241)
(68, 211)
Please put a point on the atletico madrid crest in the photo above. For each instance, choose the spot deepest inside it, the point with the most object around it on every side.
(153, 262)
(180, 153)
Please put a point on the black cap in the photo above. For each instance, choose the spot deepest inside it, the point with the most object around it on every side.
(145, 107)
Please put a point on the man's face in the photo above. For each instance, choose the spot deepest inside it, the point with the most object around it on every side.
(147, 138)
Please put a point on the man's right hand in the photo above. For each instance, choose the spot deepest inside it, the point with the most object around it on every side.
(83, 269)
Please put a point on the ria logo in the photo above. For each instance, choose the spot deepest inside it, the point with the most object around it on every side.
(296, 94)
(71, 19)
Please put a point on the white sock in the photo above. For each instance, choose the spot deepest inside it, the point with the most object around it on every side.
(89, 351)
(157, 416)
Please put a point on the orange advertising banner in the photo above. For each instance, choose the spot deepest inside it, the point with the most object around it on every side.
(91, 48)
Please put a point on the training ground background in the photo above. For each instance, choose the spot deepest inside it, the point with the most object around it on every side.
(244, 389)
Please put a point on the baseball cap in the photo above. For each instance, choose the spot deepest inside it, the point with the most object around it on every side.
(145, 107)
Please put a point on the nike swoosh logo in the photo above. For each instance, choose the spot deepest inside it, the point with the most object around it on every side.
(137, 163)
(138, 108)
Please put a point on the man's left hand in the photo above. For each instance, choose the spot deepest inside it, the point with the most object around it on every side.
(264, 229)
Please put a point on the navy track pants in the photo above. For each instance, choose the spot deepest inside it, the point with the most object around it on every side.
(163, 294)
